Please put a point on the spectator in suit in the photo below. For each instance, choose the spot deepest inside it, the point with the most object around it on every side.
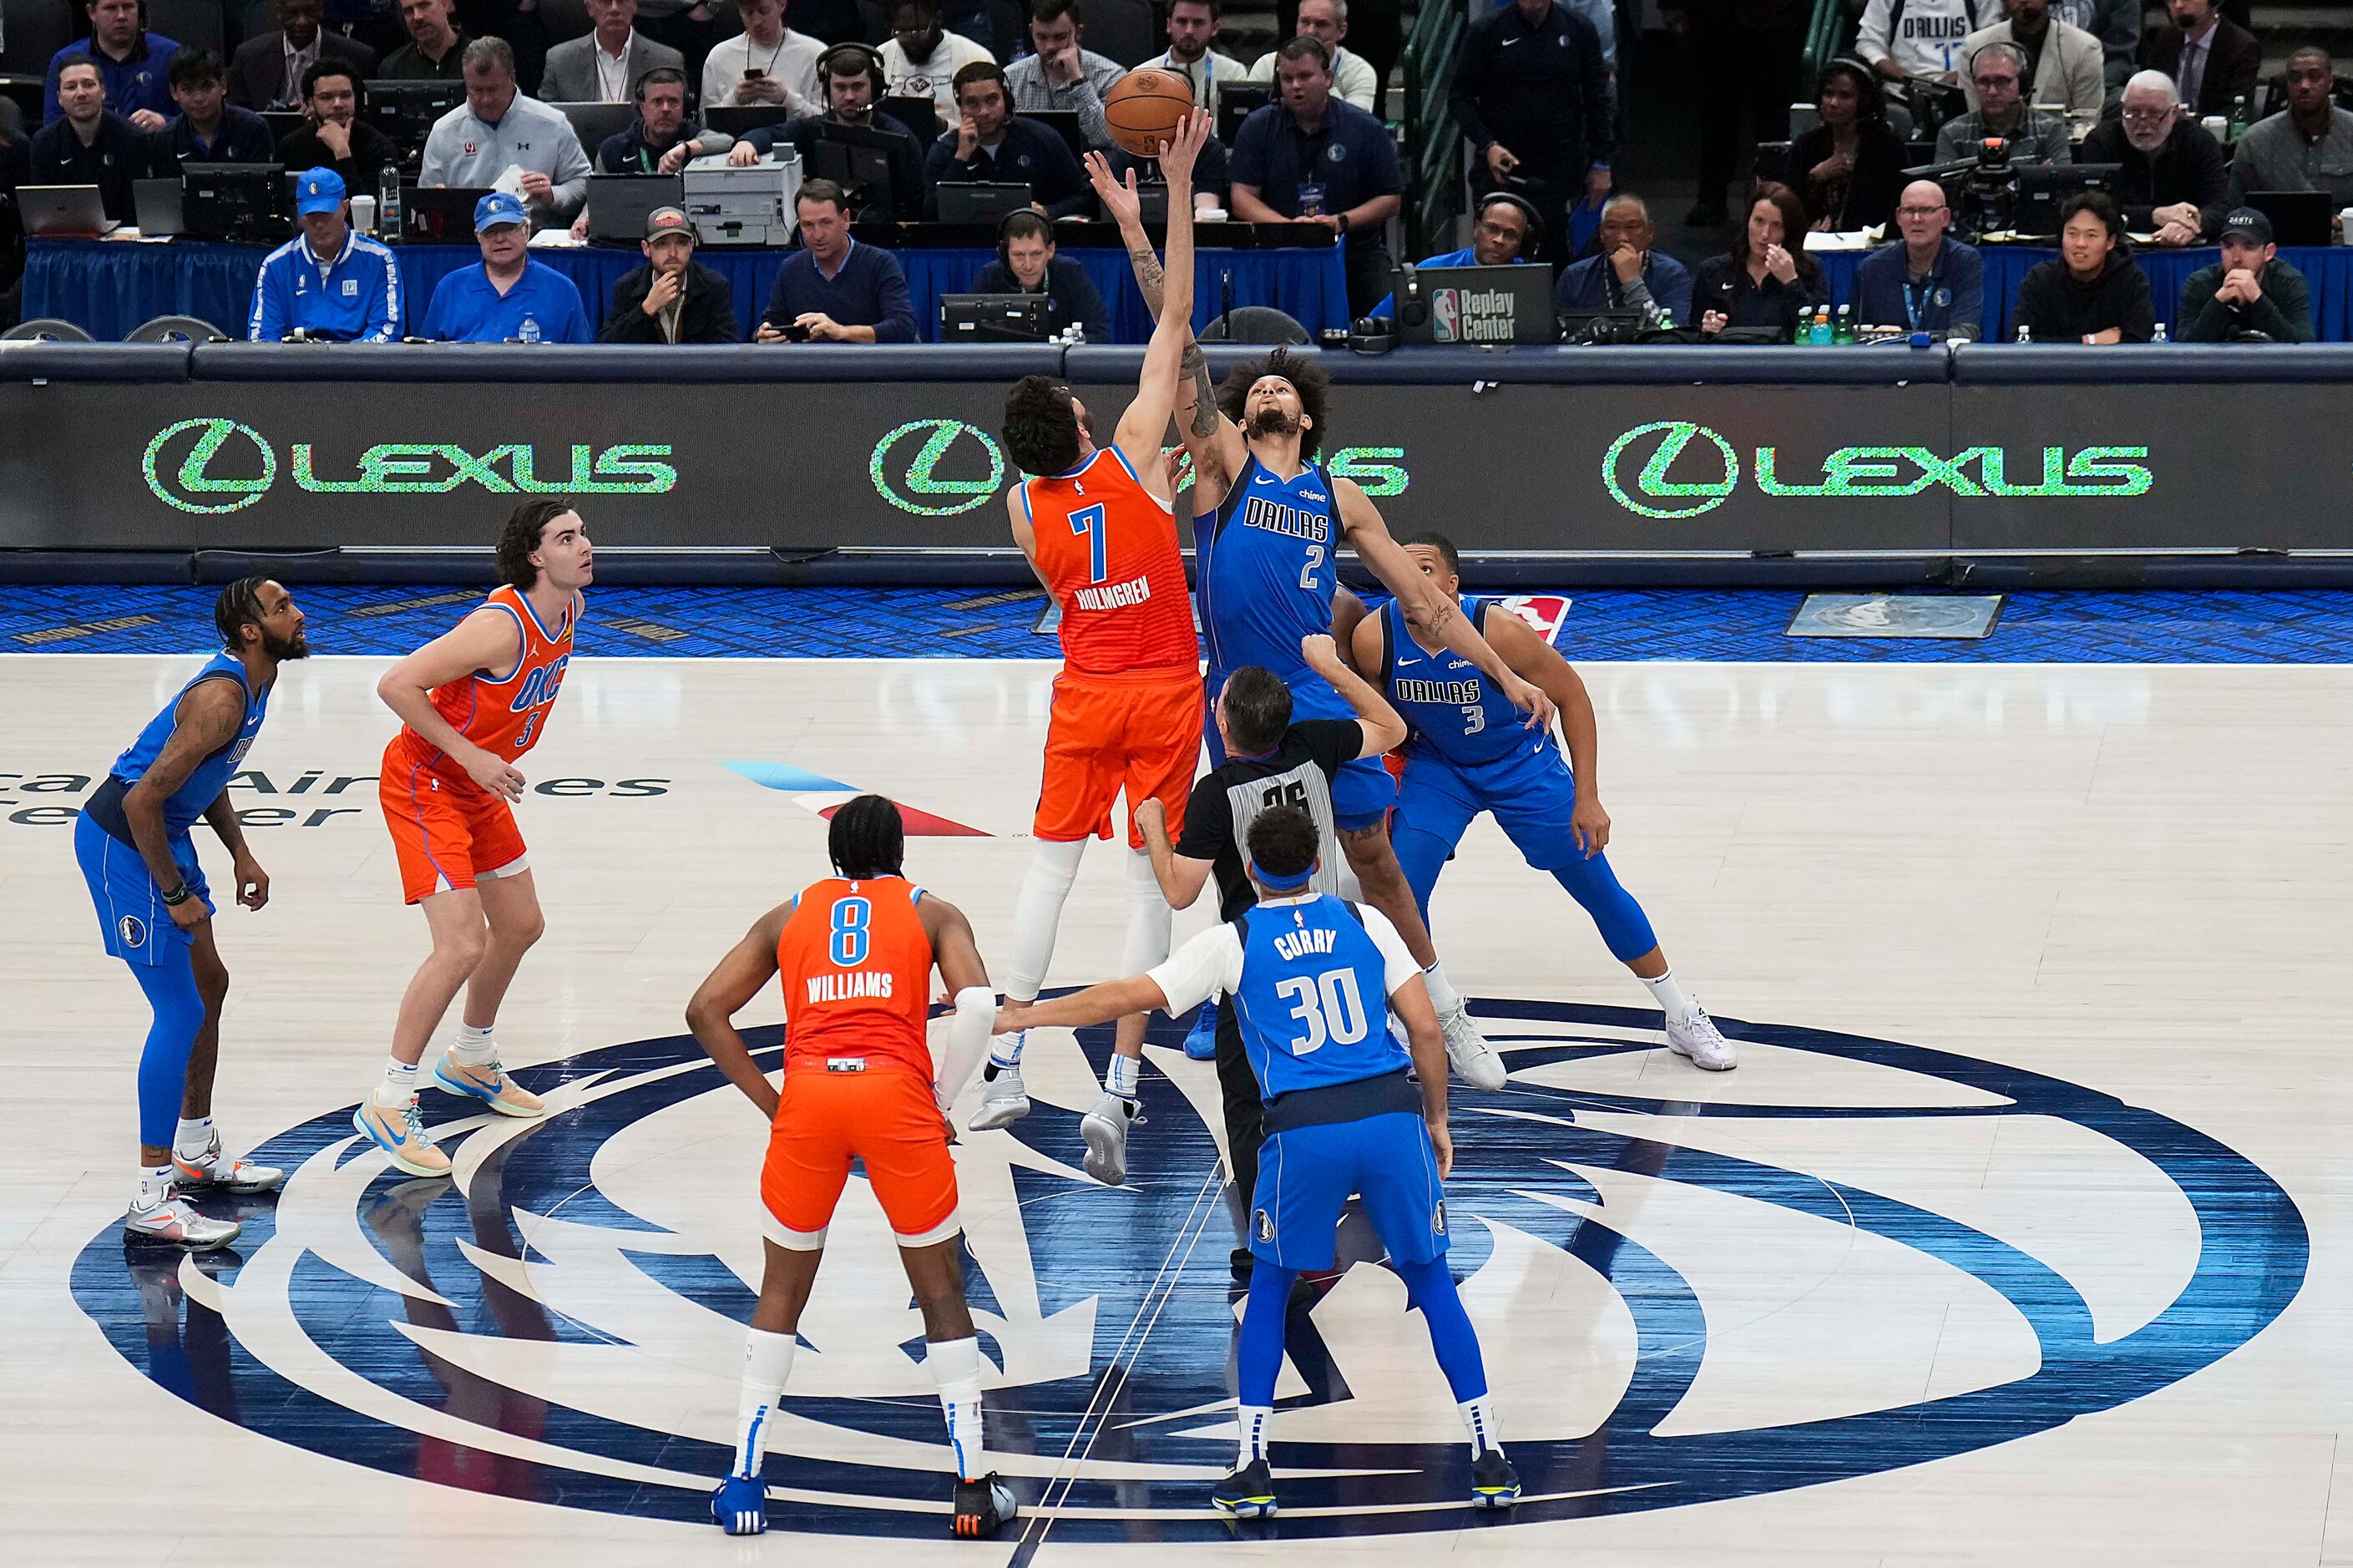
(1532, 97)
(130, 61)
(2095, 292)
(2307, 146)
(603, 66)
(767, 63)
(90, 144)
(992, 143)
(2064, 65)
(334, 135)
(267, 72)
(1027, 264)
(1626, 273)
(672, 299)
(2171, 179)
(2212, 61)
(1998, 72)
(1851, 164)
(834, 289)
(436, 50)
(1761, 282)
(1929, 283)
(209, 129)
(2251, 291)
(1192, 33)
(1061, 75)
(1353, 80)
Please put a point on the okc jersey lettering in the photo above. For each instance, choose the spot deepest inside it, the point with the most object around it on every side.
(1115, 595)
(539, 688)
(857, 983)
(1106, 548)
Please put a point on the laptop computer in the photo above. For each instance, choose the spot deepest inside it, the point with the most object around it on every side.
(1456, 305)
(980, 201)
(2298, 217)
(993, 317)
(1237, 102)
(64, 212)
(156, 203)
(1065, 125)
(617, 204)
(592, 123)
(920, 114)
(440, 215)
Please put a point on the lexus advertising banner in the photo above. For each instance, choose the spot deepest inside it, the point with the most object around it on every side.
(1520, 469)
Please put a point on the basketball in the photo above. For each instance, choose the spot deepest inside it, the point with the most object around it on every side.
(1145, 110)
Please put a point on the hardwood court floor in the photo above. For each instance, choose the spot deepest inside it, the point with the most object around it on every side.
(1988, 1268)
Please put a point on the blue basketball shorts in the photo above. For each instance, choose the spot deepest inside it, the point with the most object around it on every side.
(1305, 1175)
(132, 915)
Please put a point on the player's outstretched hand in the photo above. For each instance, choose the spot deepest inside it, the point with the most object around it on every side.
(252, 882)
(1120, 202)
(1177, 156)
(1012, 1017)
(1530, 700)
(502, 779)
(1442, 1143)
(1588, 824)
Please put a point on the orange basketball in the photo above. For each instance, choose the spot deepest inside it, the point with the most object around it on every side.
(1146, 108)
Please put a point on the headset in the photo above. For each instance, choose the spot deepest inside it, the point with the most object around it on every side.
(867, 55)
(1532, 248)
(1005, 235)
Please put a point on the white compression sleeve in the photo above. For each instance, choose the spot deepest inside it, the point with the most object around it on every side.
(1036, 913)
(1149, 918)
(976, 1010)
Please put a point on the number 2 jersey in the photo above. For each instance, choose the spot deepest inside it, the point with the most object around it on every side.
(1265, 559)
(505, 717)
(856, 964)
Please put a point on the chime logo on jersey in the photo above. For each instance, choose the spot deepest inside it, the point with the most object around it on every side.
(563, 1322)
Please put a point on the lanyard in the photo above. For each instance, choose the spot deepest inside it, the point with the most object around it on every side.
(1912, 303)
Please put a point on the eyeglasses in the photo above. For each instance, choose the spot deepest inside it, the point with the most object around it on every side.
(2145, 116)
(1918, 212)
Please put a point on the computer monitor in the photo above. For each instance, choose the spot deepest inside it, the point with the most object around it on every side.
(592, 123)
(156, 203)
(919, 113)
(739, 120)
(243, 204)
(980, 201)
(2298, 217)
(993, 317)
(852, 156)
(618, 205)
(405, 111)
(283, 122)
(1065, 125)
(440, 215)
(1455, 305)
(2043, 189)
(64, 212)
(1237, 102)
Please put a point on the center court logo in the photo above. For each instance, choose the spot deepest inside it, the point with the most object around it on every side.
(930, 467)
(211, 466)
(563, 1322)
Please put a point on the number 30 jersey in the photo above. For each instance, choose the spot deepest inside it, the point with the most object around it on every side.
(856, 966)
(1267, 579)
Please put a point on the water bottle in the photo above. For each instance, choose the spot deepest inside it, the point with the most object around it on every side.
(2161, 333)
(2238, 126)
(1820, 332)
(387, 203)
(1844, 333)
(530, 330)
(2023, 336)
(1078, 336)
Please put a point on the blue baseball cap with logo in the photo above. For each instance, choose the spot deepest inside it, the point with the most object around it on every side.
(498, 207)
(318, 191)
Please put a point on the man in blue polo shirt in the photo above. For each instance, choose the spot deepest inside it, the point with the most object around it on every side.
(1504, 232)
(510, 298)
(1931, 282)
(834, 289)
(327, 282)
(1314, 159)
(132, 63)
(1628, 271)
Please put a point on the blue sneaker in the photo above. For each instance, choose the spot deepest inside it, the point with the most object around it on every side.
(1201, 1041)
(740, 1506)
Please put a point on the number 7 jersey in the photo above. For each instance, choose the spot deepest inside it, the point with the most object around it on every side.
(1107, 550)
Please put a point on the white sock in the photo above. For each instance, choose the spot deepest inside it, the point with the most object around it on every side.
(1479, 1420)
(767, 1363)
(1005, 1050)
(475, 1048)
(954, 1366)
(154, 1184)
(195, 1136)
(1443, 997)
(1255, 1419)
(1038, 912)
(1671, 998)
(399, 1085)
(1120, 1077)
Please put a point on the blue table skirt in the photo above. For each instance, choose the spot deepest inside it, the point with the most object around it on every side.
(2329, 271)
(109, 287)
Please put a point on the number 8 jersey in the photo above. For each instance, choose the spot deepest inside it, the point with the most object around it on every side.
(856, 964)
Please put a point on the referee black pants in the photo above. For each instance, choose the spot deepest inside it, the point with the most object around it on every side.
(1245, 1113)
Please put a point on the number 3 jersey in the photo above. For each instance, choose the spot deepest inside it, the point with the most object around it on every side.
(1311, 978)
(505, 716)
(1455, 714)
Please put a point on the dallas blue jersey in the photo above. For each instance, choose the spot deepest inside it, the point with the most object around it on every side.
(1266, 573)
(1455, 712)
(185, 804)
(1313, 998)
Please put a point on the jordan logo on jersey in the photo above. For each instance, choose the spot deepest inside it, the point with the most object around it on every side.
(1449, 692)
(540, 686)
(1276, 518)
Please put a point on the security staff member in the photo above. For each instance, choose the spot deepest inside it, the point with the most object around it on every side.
(1533, 95)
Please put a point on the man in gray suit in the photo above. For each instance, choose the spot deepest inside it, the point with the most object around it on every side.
(604, 67)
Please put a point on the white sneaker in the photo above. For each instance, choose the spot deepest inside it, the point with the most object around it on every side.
(176, 1221)
(1003, 1100)
(214, 1168)
(1105, 1130)
(1475, 1061)
(1698, 1038)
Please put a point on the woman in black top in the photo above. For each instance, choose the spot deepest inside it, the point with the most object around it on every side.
(1761, 282)
(1851, 166)
(2095, 292)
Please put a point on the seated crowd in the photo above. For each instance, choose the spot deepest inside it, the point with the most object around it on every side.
(1534, 93)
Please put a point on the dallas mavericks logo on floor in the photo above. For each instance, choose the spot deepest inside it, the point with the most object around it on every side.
(1848, 1257)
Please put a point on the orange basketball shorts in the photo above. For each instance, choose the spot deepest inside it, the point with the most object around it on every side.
(885, 1119)
(1108, 735)
(446, 835)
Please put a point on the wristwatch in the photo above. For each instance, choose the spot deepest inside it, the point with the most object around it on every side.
(1344, 223)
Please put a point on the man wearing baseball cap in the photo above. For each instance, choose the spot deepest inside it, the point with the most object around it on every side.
(2251, 295)
(327, 283)
(510, 298)
(670, 300)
